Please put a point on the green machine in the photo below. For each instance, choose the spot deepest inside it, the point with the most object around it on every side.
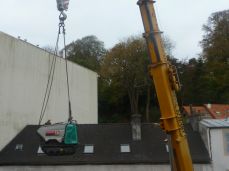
(59, 138)
(71, 136)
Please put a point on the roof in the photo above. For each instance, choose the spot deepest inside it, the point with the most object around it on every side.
(196, 109)
(218, 111)
(106, 139)
(215, 123)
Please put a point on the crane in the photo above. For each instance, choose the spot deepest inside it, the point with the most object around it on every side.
(167, 84)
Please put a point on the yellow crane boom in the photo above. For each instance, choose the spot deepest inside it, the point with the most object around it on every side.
(166, 83)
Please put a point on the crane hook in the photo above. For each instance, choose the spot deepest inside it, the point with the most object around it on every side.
(62, 16)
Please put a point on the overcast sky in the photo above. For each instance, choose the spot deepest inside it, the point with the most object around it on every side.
(109, 20)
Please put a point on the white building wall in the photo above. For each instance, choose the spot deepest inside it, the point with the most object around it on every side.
(215, 143)
(204, 132)
(101, 168)
(24, 72)
(219, 156)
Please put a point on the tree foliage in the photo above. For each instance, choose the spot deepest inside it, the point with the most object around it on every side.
(205, 79)
(215, 45)
(215, 41)
(124, 87)
(125, 67)
(86, 52)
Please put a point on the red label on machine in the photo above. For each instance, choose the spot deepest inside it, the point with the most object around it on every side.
(52, 133)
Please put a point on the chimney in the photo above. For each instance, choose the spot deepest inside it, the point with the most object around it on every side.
(136, 127)
(209, 105)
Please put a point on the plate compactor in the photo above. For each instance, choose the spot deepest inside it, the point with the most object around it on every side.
(59, 138)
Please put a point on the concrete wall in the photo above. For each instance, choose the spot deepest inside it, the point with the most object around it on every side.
(101, 168)
(214, 141)
(24, 72)
(204, 133)
(219, 157)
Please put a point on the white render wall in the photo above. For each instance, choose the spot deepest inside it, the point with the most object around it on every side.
(219, 158)
(204, 132)
(24, 72)
(214, 141)
(198, 167)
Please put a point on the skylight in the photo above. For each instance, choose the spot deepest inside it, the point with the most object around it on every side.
(19, 147)
(88, 149)
(125, 148)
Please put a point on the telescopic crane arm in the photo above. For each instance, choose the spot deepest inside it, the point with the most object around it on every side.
(166, 83)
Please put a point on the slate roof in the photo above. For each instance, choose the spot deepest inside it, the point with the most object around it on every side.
(106, 139)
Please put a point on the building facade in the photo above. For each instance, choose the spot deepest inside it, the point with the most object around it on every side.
(24, 72)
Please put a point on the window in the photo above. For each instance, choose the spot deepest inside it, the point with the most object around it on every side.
(88, 149)
(125, 148)
(226, 141)
(19, 147)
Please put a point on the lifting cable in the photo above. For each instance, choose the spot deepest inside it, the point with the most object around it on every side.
(62, 18)
(67, 74)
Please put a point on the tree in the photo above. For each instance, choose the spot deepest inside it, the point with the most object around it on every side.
(194, 82)
(86, 52)
(124, 75)
(169, 45)
(215, 45)
(215, 41)
(125, 67)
